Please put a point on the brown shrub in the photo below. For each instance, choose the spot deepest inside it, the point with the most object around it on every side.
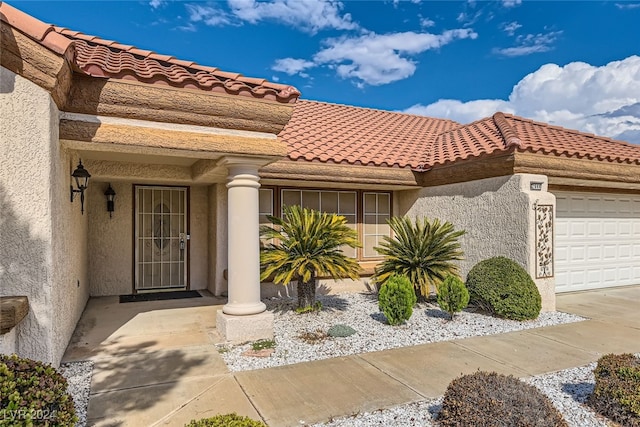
(487, 399)
(616, 394)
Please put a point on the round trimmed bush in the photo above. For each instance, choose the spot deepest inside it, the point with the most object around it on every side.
(502, 287)
(396, 299)
(616, 394)
(32, 392)
(490, 399)
(226, 420)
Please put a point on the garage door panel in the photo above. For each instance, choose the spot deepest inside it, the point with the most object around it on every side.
(597, 240)
(594, 253)
(562, 230)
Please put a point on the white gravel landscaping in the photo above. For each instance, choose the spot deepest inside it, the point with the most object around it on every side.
(360, 311)
(567, 389)
(78, 375)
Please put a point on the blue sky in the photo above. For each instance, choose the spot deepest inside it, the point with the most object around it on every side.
(575, 64)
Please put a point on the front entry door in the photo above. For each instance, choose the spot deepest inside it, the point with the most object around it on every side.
(161, 238)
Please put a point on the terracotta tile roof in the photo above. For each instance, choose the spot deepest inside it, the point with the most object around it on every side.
(473, 140)
(540, 137)
(108, 59)
(34, 28)
(325, 132)
(502, 132)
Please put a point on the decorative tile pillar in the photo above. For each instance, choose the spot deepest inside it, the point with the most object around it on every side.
(243, 318)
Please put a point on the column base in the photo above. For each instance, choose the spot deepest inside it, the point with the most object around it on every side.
(244, 309)
(240, 329)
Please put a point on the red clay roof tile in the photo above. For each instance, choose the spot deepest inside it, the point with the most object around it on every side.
(325, 132)
(109, 59)
(345, 134)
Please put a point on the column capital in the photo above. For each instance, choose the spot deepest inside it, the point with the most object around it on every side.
(257, 162)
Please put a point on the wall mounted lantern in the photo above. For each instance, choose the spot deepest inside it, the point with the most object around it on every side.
(111, 195)
(81, 176)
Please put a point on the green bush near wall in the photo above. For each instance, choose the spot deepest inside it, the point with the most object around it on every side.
(502, 287)
(33, 393)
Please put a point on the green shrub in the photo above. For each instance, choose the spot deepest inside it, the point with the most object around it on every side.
(616, 394)
(396, 299)
(500, 286)
(423, 251)
(32, 392)
(226, 420)
(341, 331)
(490, 399)
(452, 295)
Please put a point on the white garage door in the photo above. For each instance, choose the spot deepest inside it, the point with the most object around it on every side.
(597, 242)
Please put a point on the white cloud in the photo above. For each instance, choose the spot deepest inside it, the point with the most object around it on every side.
(628, 5)
(307, 15)
(426, 22)
(292, 66)
(208, 15)
(378, 59)
(463, 112)
(603, 100)
(511, 3)
(469, 19)
(531, 43)
(510, 27)
(157, 3)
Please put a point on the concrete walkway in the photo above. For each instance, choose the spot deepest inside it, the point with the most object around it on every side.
(169, 378)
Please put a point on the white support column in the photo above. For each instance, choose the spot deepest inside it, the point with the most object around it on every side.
(244, 238)
(243, 318)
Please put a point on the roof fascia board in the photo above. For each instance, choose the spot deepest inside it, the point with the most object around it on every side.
(28, 58)
(572, 168)
(471, 169)
(321, 173)
(120, 98)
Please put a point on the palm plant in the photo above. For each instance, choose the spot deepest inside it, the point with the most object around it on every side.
(422, 251)
(305, 244)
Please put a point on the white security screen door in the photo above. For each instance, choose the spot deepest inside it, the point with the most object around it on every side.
(160, 238)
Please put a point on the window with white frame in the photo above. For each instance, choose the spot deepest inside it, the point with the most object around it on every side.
(376, 209)
(265, 206)
(340, 202)
(366, 212)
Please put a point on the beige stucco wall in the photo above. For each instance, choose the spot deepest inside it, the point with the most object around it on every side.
(111, 239)
(497, 214)
(41, 240)
(217, 238)
(69, 254)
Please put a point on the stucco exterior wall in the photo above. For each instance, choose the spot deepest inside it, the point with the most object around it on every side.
(70, 257)
(217, 238)
(8, 341)
(111, 247)
(110, 240)
(41, 244)
(199, 243)
(497, 215)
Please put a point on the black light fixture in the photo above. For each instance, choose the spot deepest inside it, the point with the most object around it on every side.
(111, 195)
(82, 182)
